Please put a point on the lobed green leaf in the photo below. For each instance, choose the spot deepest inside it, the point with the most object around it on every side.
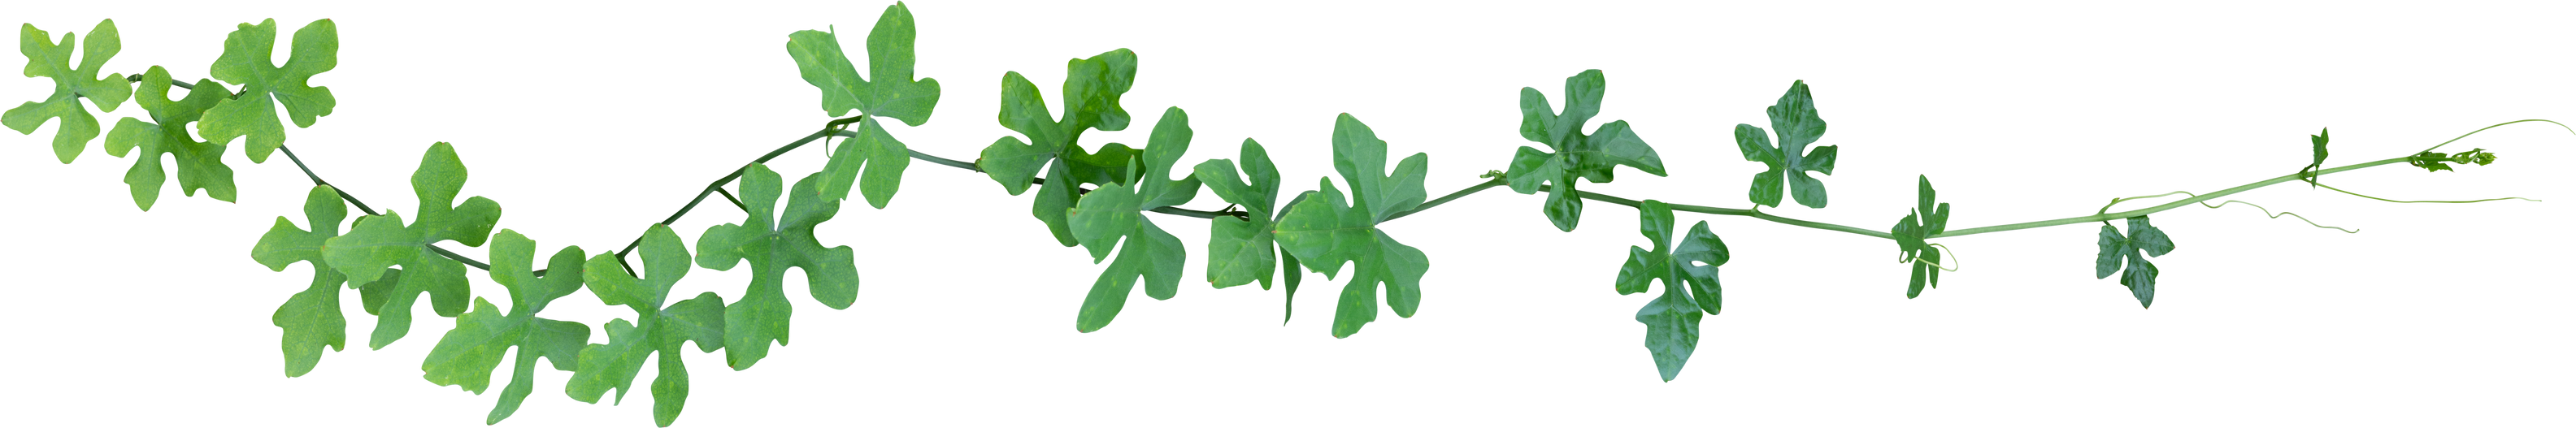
(662, 329)
(253, 113)
(201, 164)
(49, 59)
(1325, 231)
(311, 319)
(1115, 213)
(377, 243)
(2139, 275)
(774, 241)
(1591, 156)
(1794, 119)
(1091, 91)
(1689, 275)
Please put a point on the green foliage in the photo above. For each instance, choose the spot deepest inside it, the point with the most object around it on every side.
(2433, 161)
(774, 241)
(2140, 276)
(658, 329)
(1794, 118)
(2310, 173)
(246, 62)
(1689, 274)
(201, 164)
(381, 241)
(1326, 231)
(466, 356)
(1925, 221)
(1117, 211)
(1577, 155)
(1091, 90)
(312, 317)
(894, 93)
(1243, 251)
(48, 59)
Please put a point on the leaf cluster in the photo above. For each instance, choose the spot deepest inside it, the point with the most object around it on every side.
(1572, 143)
(1047, 153)
(1116, 213)
(219, 115)
(1925, 221)
(1792, 153)
(1675, 282)
(1338, 227)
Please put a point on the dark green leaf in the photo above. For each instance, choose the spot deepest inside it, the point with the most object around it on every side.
(1577, 155)
(245, 62)
(1117, 212)
(1689, 274)
(312, 317)
(2140, 276)
(1241, 250)
(1325, 232)
(48, 59)
(1091, 91)
(2310, 173)
(774, 241)
(1926, 220)
(1795, 119)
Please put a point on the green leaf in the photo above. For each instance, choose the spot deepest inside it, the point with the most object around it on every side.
(1091, 91)
(311, 319)
(774, 240)
(1926, 220)
(201, 164)
(1336, 227)
(1792, 150)
(2310, 173)
(1241, 250)
(1562, 148)
(668, 328)
(1675, 275)
(2126, 253)
(384, 244)
(73, 91)
(1124, 246)
(466, 355)
(245, 62)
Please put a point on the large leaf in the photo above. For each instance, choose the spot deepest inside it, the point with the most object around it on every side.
(1240, 250)
(381, 241)
(466, 356)
(774, 240)
(1039, 143)
(893, 94)
(312, 317)
(661, 329)
(2139, 276)
(1324, 231)
(1794, 153)
(1570, 145)
(264, 85)
(1689, 274)
(168, 130)
(1127, 246)
(73, 91)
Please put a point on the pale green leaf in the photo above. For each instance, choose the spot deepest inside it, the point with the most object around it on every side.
(265, 85)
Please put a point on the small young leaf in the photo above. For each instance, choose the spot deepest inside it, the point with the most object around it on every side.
(2310, 173)
(48, 59)
(1926, 220)
(1591, 157)
(1795, 119)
